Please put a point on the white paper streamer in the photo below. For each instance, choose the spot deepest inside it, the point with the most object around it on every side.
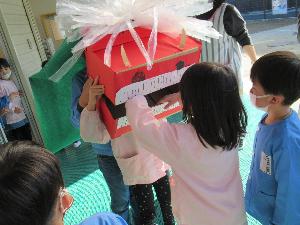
(92, 20)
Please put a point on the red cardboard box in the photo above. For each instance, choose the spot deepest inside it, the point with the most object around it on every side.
(122, 83)
(118, 127)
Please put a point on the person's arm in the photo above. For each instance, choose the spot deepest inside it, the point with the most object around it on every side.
(78, 82)
(158, 137)
(250, 51)
(170, 99)
(4, 98)
(92, 128)
(235, 26)
(12, 107)
(287, 176)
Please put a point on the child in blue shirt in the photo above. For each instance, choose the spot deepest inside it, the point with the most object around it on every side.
(273, 187)
(105, 218)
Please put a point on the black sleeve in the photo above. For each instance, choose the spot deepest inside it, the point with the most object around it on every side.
(235, 26)
(206, 15)
(79, 108)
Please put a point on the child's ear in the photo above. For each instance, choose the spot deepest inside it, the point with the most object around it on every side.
(65, 203)
(277, 99)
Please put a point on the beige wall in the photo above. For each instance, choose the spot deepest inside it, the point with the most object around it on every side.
(40, 7)
(1, 53)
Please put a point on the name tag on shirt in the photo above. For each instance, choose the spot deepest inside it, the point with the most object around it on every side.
(266, 163)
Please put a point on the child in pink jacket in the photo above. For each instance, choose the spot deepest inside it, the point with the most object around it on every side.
(203, 152)
(140, 169)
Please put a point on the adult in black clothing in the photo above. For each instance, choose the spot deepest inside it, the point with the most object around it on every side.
(227, 19)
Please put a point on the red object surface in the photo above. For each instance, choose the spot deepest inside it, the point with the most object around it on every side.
(168, 55)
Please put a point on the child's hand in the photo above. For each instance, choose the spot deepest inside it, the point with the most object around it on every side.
(14, 95)
(84, 97)
(95, 92)
(4, 111)
(21, 93)
(17, 110)
(170, 99)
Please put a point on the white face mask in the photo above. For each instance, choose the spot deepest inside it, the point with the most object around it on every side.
(6, 76)
(254, 98)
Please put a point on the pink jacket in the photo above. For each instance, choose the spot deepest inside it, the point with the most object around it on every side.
(137, 165)
(206, 184)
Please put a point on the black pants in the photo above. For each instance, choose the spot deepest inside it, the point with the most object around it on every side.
(143, 195)
(21, 133)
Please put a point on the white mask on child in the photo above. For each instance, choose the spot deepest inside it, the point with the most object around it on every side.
(254, 98)
(6, 76)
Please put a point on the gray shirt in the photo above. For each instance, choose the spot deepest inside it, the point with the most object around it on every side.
(234, 24)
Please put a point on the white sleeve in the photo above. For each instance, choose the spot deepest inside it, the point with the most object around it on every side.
(92, 129)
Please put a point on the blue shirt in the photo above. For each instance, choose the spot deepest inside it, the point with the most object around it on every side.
(273, 187)
(4, 102)
(77, 86)
(104, 219)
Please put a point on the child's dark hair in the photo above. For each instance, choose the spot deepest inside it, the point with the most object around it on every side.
(30, 180)
(208, 14)
(218, 3)
(4, 63)
(279, 74)
(212, 104)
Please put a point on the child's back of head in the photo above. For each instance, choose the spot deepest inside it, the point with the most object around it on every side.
(212, 104)
(279, 74)
(30, 180)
